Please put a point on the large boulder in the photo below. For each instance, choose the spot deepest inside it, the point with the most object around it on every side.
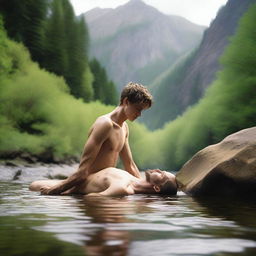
(224, 169)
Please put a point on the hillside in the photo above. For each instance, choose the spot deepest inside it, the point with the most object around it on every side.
(185, 84)
(136, 42)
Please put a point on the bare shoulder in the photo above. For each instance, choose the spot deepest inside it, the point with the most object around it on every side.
(101, 128)
(104, 120)
(103, 123)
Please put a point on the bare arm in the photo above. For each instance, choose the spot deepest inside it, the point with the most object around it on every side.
(126, 156)
(92, 147)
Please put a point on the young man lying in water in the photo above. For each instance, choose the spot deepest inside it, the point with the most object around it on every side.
(116, 182)
(108, 139)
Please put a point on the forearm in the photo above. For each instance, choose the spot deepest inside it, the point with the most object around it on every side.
(133, 170)
(80, 176)
(73, 181)
(136, 173)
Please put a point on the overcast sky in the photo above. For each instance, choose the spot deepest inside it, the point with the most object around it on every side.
(198, 11)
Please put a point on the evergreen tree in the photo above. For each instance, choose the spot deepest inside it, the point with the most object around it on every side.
(99, 79)
(55, 54)
(24, 21)
(77, 43)
(5, 60)
(66, 48)
(111, 96)
(87, 89)
(104, 90)
(59, 41)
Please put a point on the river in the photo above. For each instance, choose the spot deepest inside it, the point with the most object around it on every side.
(32, 224)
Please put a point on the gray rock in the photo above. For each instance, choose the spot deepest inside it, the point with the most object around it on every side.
(35, 172)
(224, 169)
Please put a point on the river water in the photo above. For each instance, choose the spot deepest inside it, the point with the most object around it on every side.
(32, 224)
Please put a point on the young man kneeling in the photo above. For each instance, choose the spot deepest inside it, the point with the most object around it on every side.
(108, 139)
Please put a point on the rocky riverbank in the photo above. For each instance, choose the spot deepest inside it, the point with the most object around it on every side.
(29, 173)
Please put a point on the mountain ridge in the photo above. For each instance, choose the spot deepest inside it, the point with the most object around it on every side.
(136, 42)
(184, 86)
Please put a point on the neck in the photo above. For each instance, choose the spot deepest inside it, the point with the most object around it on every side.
(118, 115)
(143, 187)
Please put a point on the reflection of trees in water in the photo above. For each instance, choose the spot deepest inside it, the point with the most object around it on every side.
(240, 210)
(113, 212)
(235, 216)
(18, 237)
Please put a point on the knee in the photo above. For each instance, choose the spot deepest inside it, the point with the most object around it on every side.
(35, 186)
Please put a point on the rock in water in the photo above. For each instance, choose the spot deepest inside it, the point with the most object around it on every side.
(224, 169)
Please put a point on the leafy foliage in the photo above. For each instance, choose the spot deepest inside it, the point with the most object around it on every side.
(58, 41)
(228, 106)
(37, 114)
(24, 21)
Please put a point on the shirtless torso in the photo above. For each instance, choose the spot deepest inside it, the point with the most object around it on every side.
(107, 140)
(109, 150)
(114, 182)
(107, 180)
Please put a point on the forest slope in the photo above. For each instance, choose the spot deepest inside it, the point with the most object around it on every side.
(185, 83)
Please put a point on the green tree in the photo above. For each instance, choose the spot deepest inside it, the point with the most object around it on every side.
(77, 47)
(111, 97)
(24, 21)
(104, 90)
(55, 37)
(5, 60)
(56, 59)
(229, 103)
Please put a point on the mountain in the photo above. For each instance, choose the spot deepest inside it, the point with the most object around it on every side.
(185, 83)
(136, 42)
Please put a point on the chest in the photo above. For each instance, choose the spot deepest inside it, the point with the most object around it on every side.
(116, 138)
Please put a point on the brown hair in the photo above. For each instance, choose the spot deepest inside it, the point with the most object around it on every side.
(136, 93)
(168, 188)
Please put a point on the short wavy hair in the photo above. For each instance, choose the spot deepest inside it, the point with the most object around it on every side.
(136, 93)
(168, 188)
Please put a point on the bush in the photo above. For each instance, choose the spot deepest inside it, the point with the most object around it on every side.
(37, 114)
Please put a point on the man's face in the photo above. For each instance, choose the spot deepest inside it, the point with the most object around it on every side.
(133, 110)
(157, 177)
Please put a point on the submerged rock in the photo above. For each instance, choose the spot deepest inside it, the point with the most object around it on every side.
(17, 174)
(224, 169)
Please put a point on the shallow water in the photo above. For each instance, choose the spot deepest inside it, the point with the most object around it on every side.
(32, 224)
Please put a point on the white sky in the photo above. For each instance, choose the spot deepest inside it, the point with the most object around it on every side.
(201, 12)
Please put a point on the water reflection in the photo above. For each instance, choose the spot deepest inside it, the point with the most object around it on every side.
(109, 240)
(238, 210)
(133, 225)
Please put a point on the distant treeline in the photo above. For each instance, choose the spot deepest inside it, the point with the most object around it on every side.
(58, 41)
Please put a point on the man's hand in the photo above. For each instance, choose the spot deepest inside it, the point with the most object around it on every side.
(47, 190)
